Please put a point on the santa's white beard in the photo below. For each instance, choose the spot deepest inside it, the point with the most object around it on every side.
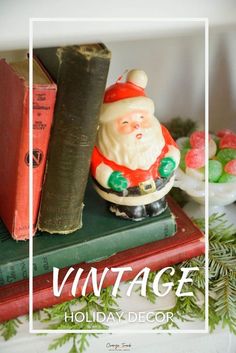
(127, 150)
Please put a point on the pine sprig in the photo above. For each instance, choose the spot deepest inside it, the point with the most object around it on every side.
(222, 284)
(150, 295)
(61, 341)
(108, 302)
(88, 305)
(198, 277)
(180, 127)
(9, 328)
(225, 301)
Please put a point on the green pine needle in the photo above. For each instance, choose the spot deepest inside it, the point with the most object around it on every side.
(222, 274)
(9, 328)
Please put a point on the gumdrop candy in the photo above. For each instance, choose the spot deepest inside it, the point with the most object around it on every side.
(182, 163)
(216, 139)
(212, 148)
(227, 178)
(230, 167)
(224, 132)
(228, 141)
(183, 143)
(215, 170)
(197, 139)
(186, 143)
(196, 173)
(226, 155)
(195, 158)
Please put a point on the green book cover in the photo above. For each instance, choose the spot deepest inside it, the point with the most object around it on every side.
(101, 236)
(80, 72)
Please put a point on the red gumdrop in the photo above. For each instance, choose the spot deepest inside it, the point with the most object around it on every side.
(224, 132)
(230, 167)
(228, 141)
(197, 139)
(195, 158)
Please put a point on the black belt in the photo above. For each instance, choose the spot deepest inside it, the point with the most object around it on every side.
(143, 189)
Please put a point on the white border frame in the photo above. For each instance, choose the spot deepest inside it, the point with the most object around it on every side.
(206, 27)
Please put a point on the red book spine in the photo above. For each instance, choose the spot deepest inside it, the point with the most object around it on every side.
(14, 149)
(43, 106)
(14, 298)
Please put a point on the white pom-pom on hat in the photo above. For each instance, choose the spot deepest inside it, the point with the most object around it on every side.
(137, 77)
(124, 97)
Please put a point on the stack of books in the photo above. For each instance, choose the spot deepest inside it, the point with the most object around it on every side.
(68, 89)
(64, 132)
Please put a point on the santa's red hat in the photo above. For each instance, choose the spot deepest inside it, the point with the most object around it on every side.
(123, 97)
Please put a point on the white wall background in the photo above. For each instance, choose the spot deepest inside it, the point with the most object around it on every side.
(14, 15)
(175, 67)
(174, 63)
(223, 79)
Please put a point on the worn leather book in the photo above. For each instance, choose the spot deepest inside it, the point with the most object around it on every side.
(188, 242)
(102, 235)
(14, 142)
(81, 73)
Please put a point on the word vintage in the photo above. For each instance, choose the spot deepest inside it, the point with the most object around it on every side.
(141, 279)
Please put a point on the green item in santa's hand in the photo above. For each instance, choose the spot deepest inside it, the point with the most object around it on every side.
(227, 178)
(225, 155)
(117, 182)
(167, 166)
(215, 170)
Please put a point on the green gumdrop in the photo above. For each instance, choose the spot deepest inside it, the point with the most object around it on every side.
(183, 153)
(215, 170)
(186, 144)
(227, 178)
(225, 155)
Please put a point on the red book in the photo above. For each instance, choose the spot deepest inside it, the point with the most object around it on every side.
(14, 145)
(188, 242)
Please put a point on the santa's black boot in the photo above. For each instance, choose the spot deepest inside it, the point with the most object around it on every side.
(134, 213)
(157, 207)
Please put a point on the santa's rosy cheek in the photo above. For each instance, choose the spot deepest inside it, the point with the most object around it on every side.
(145, 123)
(125, 128)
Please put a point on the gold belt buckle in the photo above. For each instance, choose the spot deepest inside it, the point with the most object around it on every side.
(147, 187)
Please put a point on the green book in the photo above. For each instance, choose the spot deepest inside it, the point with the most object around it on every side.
(81, 73)
(101, 236)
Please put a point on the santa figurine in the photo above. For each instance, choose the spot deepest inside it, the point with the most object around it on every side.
(135, 157)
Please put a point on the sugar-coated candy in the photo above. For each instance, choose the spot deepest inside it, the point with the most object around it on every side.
(183, 142)
(228, 141)
(230, 167)
(216, 139)
(186, 143)
(182, 163)
(196, 173)
(227, 178)
(197, 139)
(224, 132)
(195, 158)
(222, 156)
(226, 155)
(215, 170)
(212, 148)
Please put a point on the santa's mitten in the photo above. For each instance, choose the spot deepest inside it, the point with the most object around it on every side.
(167, 166)
(117, 182)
